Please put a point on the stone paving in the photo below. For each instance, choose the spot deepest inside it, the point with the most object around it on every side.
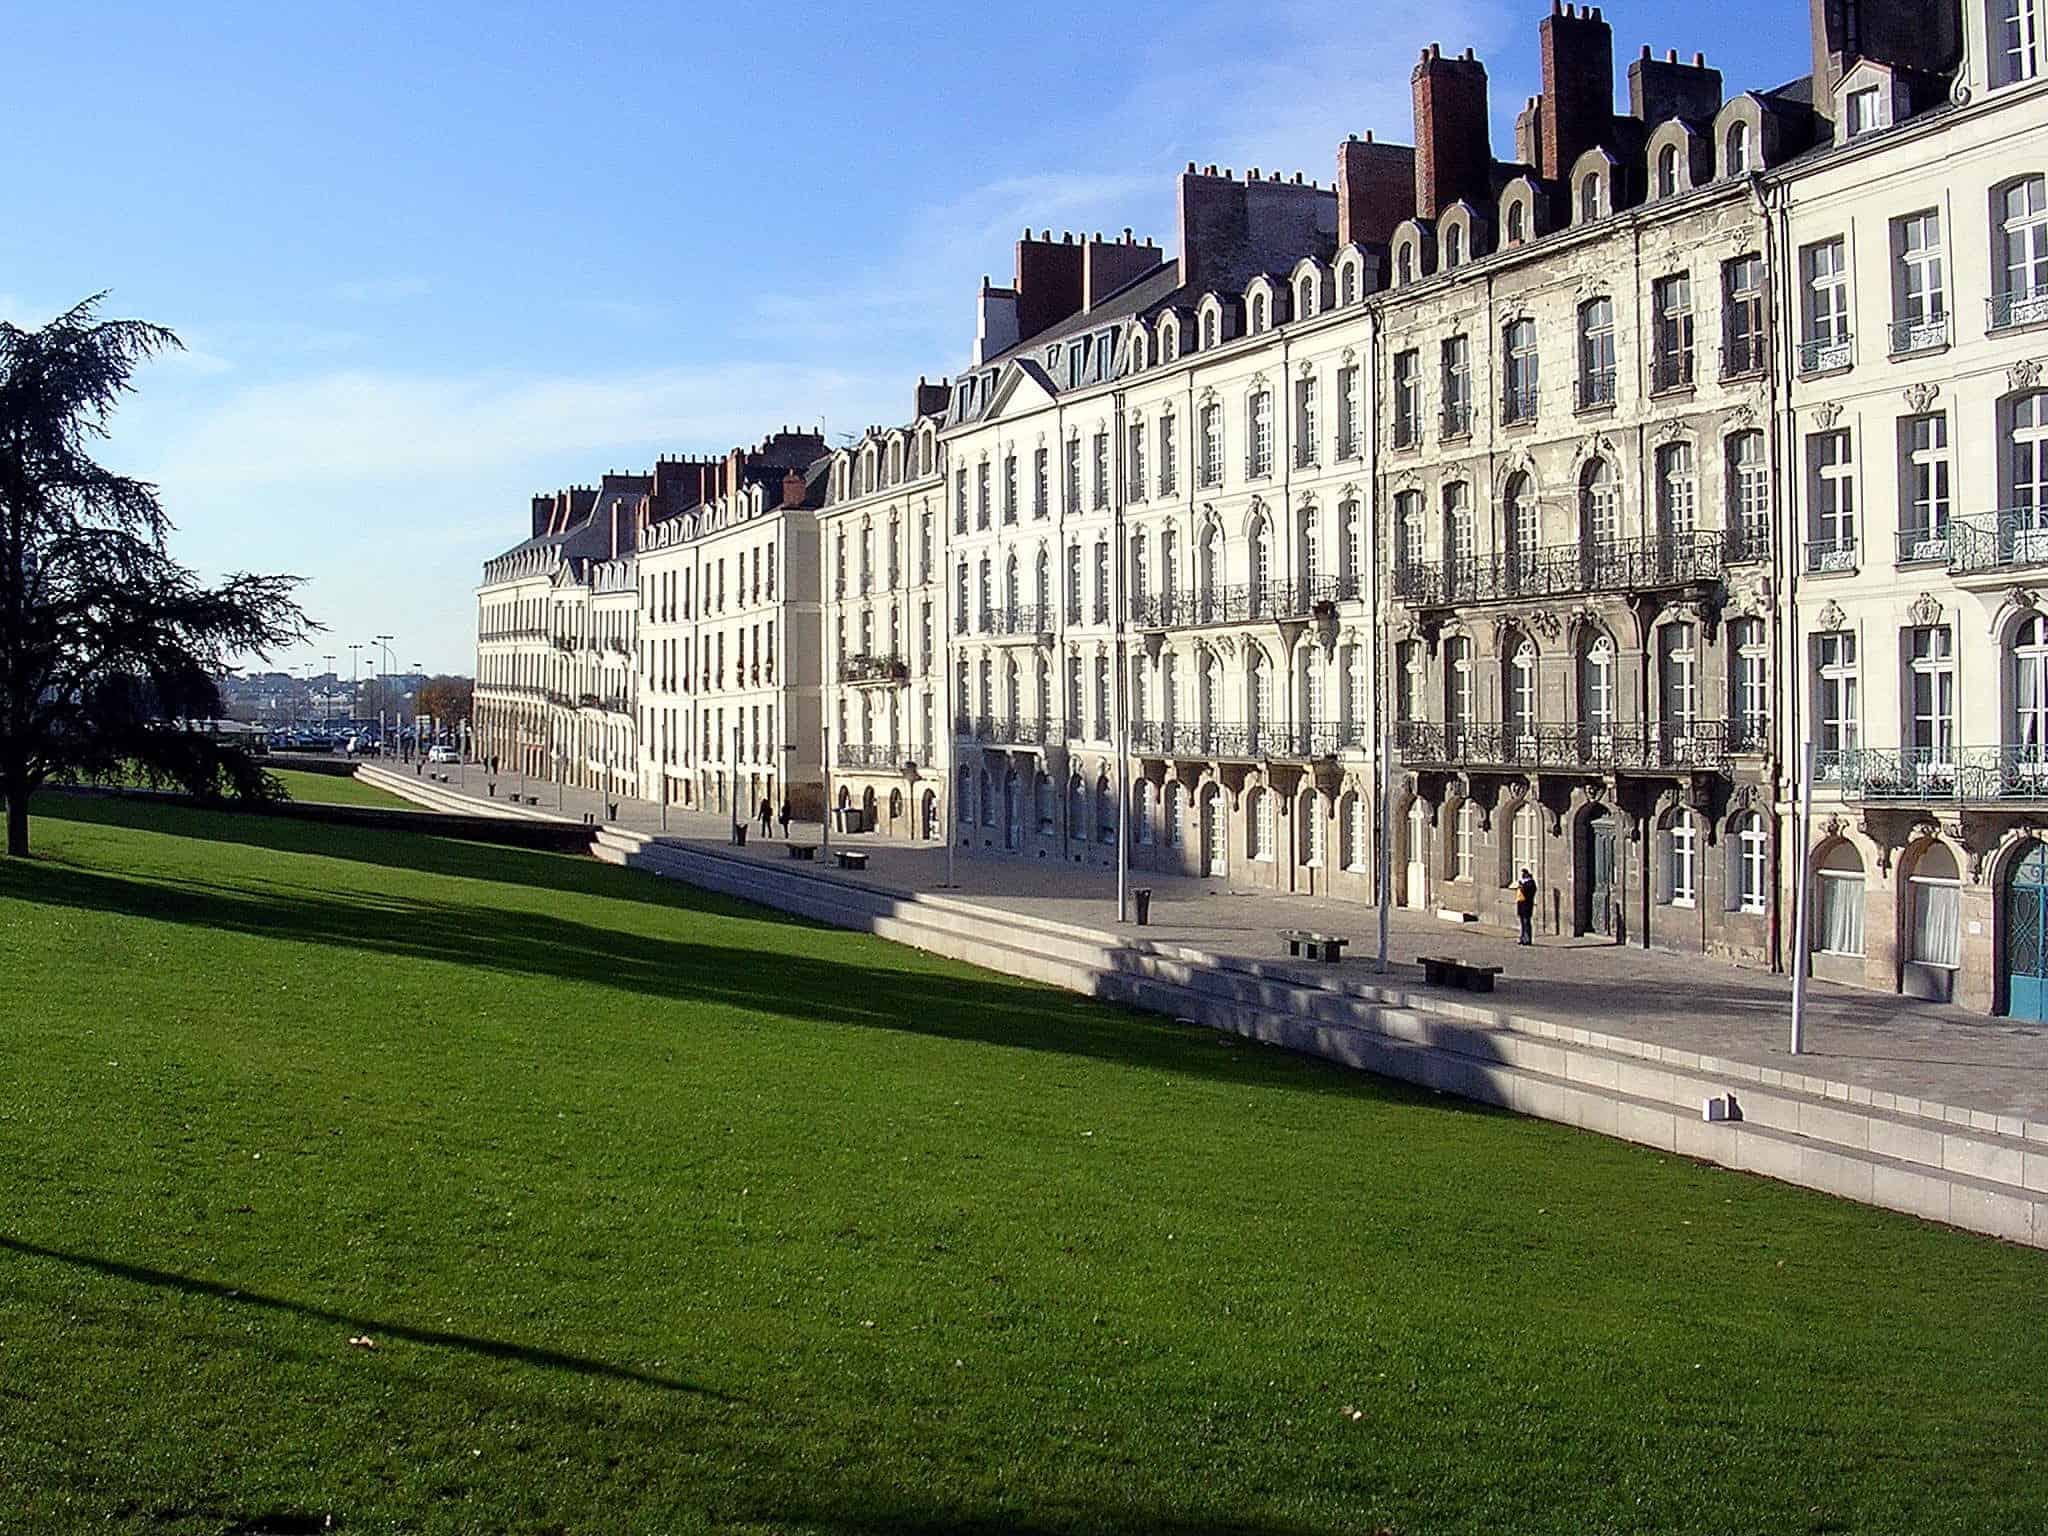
(1884, 1043)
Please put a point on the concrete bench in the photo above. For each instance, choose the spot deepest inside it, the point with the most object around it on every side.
(530, 799)
(1326, 947)
(1442, 971)
(805, 851)
(847, 858)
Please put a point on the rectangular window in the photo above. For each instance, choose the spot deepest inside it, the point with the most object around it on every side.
(1931, 698)
(1009, 487)
(1169, 472)
(1866, 110)
(1101, 471)
(1596, 354)
(1923, 488)
(1831, 493)
(1407, 399)
(1348, 446)
(981, 475)
(1518, 398)
(1750, 693)
(1304, 422)
(1919, 287)
(924, 549)
(1041, 489)
(1134, 469)
(1259, 439)
(1684, 852)
(1836, 706)
(1457, 387)
(1824, 277)
(2015, 41)
(1742, 317)
(1073, 485)
(1210, 467)
(1073, 584)
(1671, 299)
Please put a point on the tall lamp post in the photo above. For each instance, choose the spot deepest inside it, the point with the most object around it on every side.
(327, 694)
(383, 644)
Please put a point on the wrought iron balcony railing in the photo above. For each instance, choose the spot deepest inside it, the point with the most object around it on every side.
(1008, 730)
(2007, 310)
(1954, 775)
(1923, 546)
(1997, 541)
(1032, 620)
(1518, 405)
(873, 669)
(1834, 554)
(1264, 742)
(1568, 570)
(1929, 333)
(1594, 391)
(884, 755)
(1672, 369)
(1240, 604)
(1456, 420)
(1654, 746)
(1825, 354)
(1742, 353)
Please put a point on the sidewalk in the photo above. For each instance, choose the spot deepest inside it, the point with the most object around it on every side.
(1888, 1045)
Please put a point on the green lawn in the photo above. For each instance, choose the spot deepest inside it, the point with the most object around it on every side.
(333, 789)
(666, 1214)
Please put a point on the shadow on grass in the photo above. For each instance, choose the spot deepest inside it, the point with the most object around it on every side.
(495, 1349)
(769, 979)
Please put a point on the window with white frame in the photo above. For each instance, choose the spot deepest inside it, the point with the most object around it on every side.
(1596, 687)
(2020, 210)
(1010, 487)
(1259, 437)
(1351, 814)
(1681, 860)
(2015, 41)
(1671, 302)
(1407, 398)
(1259, 816)
(1931, 697)
(1518, 223)
(1519, 702)
(1742, 315)
(1824, 279)
(1678, 668)
(1865, 110)
(1350, 547)
(1592, 198)
(1209, 469)
(1168, 456)
(1074, 583)
(1838, 901)
(1518, 398)
(1348, 446)
(2026, 738)
(1934, 893)
(1749, 492)
(1749, 695)
(981, 481)
(1738, 157)
(1528, 833)
(960, 611)
(1459, 549)
(1134, 467)
(1752, 846)
(1667, 171)
(1102, 580)
(1837, 712)
(1923, 487)
(1101, 470)
(1596, 353)
(1408, 539)
(1456, 376)
(1599, 507)
(1465, 841)
(1919, 286)
(1305, 300)
(1677, 491)
(1454, 246)
(1831, 492)
(1315, 814)
(1041, 483)
(1305, 418)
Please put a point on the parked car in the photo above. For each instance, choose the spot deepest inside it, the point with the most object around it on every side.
(443, 755)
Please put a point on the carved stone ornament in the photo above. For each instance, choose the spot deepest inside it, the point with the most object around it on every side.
(1504, 631)
(1407, 480)
(1832, 617)
(1670, 431)
(1308, 369)
(1924, 611)
(1594, 447)
(1547, 624)
(1827, 413)
(1348, 355)
(1740, 419)
(1225, 646)
(1743, 798)
(1920, 396)
(2026, 373)
(2022, 597)
(1834, 826)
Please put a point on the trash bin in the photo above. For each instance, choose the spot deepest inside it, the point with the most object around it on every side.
(611, 810)
(1142, 895)
(739, 835)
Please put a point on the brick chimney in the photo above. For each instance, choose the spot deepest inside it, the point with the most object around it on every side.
(1375, 190)
(543, 514)
(1049, 282)
(793, 489)
(1661, 89)
(1453, 150)
(1106, 265)
(932, 399)
(1578, 85)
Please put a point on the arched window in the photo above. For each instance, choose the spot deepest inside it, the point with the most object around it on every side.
(1012, 595)
(1146, 813)
(1596, 689)
(1599, 508)
(1750, 855)
(1314, 813)
(1042, 793)
(1678, 667)
(1458, 545)
(1176, 815)
(1936, 893)
(1518, 223)
(1592, 204)
(1077, 809)
(1347, 284)
(1518, 518)
(1404, 265)
(1667, 171)
(2027, 727)
(1454, 246)
(1209, 330)
(1677, 491)
(2021, 212)
(1519, 697)
(1681, 859)
(1464, 842)
(1209, 575)
(1259, 696)
(1528, 833)
(1259, 824)
(1838, 901)
(1261, 563)
(1041, 588)
(1305, 306)
(1351, 822)
(1258, 313)
(1137, 351)
(1105, 812)
(1738, 149)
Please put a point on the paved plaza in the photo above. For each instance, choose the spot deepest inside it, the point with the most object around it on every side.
(1887, 1044)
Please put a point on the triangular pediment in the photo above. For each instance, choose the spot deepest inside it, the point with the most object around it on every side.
(1023, 388)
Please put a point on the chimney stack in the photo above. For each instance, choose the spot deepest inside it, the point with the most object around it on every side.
(1453, 149)
(1578, 85)
(1375, 190)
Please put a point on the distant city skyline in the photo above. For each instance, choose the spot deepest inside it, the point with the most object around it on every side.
(428, 264)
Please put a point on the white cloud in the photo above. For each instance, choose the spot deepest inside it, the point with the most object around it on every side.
(363, 426)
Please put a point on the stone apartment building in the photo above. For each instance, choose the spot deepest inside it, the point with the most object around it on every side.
(1533, 497)
(1915, 326)
(882, 541)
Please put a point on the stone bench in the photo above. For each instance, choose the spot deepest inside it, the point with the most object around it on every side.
(805, 851)
(1442, 971)
(848, 858)
(1326, 947)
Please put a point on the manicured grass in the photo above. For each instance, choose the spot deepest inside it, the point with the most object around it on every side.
(333, 789)
(666, 1214)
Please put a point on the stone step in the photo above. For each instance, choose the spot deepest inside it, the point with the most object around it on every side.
(1971, 1176)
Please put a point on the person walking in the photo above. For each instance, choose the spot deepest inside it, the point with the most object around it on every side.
(785, 821)
(767, 814)
(1525, 906)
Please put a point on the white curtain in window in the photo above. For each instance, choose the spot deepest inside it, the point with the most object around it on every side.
(1937, 923)
(1839, 926)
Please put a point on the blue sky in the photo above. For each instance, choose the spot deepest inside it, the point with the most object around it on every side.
(430, 259)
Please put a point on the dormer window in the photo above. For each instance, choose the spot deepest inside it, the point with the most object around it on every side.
(1137, 352)
(1347, 284)
(1258, 313)
(1865, 110)
(1306, 308)
(1209, 331)
(1592, 201)
(1518, 223)
(1404, 266)
(1454, 247)
(1169, 342)
(1667, 171)
(1738, 149)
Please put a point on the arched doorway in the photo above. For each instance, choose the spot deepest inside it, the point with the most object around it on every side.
(1599, 889)
(928, 817)
(1013, 812)
(867, 809)
(1415, 888)
(1215, 852)
(2025, 946)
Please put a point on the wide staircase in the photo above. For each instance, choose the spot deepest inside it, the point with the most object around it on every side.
(1965, 1168)
(423, 791)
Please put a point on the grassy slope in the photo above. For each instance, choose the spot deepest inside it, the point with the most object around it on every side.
(333, 789)
(670, 1214)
